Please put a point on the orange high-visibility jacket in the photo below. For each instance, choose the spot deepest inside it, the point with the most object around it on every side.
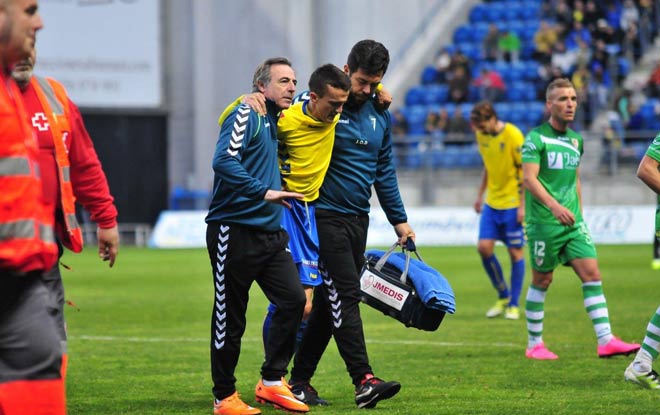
(27, 240)
(55, 104)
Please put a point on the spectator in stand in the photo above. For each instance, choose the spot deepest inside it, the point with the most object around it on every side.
(583, 54)
(442, 65)
(508, 47)
(399, 123)
(578, 33)
(646, 27)
(459, 60)
(578, 11)
(436, 124)
(490, 43)
(580, 79)
(399, 136)
(600, 56)
(544, 41)
(605, 33)
(459, 85)
(598, 91)
(491, 85)
(653, 84)
(458, 128)
(630, 42)
(629, 15)
(613, 15)
(564, 14)
(591, 15)
(563, 58)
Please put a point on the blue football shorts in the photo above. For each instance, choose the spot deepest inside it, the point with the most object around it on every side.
(501, 225)
(300, 224)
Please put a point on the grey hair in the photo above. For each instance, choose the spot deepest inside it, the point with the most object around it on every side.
(262, 73)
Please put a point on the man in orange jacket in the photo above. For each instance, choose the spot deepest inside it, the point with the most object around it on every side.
(70, 172)
(30, 355)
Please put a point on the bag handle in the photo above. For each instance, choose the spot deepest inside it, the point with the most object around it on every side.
(410, 247)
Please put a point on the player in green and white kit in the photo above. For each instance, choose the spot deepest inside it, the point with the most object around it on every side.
(640, 370)
(556, 231)
(655, 264)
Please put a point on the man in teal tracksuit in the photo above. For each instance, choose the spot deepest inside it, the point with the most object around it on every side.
(246, 243)
(361, 157)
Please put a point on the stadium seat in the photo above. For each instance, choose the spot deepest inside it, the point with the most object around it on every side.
(494, 12)
(450, 107)
(478, 14)
(623, 66)
(415, 96)
(503, 110)
(510, 13)
(529, 12)
(435, 94)
(471, 50)
(416, 117)
(429, 75)
(479, 31)
(531, 70)
(514, 93)
(463, 34)
(466, 109)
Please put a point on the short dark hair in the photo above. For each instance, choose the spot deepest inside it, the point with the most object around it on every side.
(482, 111)
(328, 74)
(558, 83)
(370, 56)
(262, 73)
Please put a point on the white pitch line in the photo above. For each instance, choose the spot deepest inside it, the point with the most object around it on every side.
(258, 339)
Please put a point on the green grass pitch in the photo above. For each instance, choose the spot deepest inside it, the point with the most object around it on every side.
(139, 341)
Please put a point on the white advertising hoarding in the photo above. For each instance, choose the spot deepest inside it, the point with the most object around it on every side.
(107, 53)
(433, 226)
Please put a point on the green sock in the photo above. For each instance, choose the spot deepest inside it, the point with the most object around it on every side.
(596, 306)
(651, 344)
(534, 313)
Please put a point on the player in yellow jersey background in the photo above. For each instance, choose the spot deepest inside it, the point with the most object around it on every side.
(502, 212)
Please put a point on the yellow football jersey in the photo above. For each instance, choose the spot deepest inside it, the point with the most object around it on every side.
(502, 159)
(305, 148)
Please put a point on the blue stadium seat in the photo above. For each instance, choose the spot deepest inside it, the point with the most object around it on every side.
(647, 112)
(450, 107)
(529, 12)
(515, 93)
(517, 71)
(503, 110)
(466, 109)
(471, 50)
(623, 66)
(511, 12)
(463, 34)
(518, 26)
(479, 31)
(435, 94)
(474, 94)
(429, 75)
(478, 14)
(416, 117)
(415, 96)
(518, 117)
(494, 12)
(534, 115)
(531, 70)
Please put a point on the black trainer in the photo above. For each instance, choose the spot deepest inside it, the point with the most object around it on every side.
(373, 390)
(305, 392)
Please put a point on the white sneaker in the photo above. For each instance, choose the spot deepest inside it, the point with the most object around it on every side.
(498, 308)
(512, 313)
(647, 379)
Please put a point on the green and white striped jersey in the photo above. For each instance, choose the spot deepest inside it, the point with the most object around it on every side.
(558, 156)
